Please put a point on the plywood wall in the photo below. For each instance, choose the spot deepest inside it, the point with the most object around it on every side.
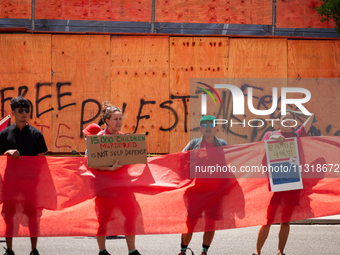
(81, 70)
(313, 59)
(299, 14)
(152, 78)
(25, 69)
(15, 9)
(192, 57)
(262, 65)
(136, 10)
(289, 14)
(219, 11)
(318, 64)
(140, 81)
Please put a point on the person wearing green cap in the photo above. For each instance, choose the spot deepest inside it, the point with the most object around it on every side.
(207, 140)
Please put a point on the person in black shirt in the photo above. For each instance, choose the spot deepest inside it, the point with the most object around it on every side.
(16, 140)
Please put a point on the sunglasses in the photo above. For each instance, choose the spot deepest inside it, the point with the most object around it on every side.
(21, 110)
(205, 125)
(113, 108)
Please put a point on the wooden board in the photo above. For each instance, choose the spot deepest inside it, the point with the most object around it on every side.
(140, 79)
(256, 59)
(89, 69)
(25, 62)
(218, 11)
(324, 102)
(318, 59)
(15, 9)
(138, 11)
(81, 67)
(313, 59)
(192, 57)
(299, 14)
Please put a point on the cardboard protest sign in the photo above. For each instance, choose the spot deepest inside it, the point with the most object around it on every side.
(104, 150)
(283, 165)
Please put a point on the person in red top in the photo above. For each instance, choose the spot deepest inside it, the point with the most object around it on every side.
(288, 199)
(109, 199)
(207, 140)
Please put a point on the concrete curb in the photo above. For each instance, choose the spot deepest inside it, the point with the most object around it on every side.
(317, 222)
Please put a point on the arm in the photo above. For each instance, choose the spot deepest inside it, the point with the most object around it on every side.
(115, 167)
(309, 121)
(278, 138)
(187, 148)
(270, 136)
(14, 153)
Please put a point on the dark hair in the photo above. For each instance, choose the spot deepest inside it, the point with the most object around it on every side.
(108, 109)
(19, 102)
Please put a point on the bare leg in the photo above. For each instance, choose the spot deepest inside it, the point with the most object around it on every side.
(130, 241)
(283, 236)
(9, 242)
(261, 238)
(101, 242)
(34, 241)
(186, 238)
(34, 227)
(10, 231)
(208, 237)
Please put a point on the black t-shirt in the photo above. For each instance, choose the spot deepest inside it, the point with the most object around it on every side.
(29, 141)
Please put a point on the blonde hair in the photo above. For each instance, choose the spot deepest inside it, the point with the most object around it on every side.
(107, 109)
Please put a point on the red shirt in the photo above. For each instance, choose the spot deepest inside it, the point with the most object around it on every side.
(207, 145)
(299, 132)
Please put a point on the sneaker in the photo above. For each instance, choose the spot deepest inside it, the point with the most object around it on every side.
(203, 253)
(8, 252)
(184, 253)
(34, 252)
(135, 253)
(104, 252)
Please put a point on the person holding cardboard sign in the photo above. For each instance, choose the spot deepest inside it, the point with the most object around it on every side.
(108, 199)
(287, 199)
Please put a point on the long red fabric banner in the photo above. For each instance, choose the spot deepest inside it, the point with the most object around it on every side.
(70, 199)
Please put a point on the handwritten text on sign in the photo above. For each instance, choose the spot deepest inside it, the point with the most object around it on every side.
(282, 161)
(276, 151)
(104, 150)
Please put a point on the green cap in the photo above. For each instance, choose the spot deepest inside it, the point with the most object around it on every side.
(207, 118)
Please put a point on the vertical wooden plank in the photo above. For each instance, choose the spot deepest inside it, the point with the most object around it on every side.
(258, 58)
(313, 58)
(25, 62)
(140, 79)
(299, 14)
(192, 57)
(313, 62)
(138, 11)
(217, 11)
(251, 61)
(15, 9)
(81, 69)
(324, 102)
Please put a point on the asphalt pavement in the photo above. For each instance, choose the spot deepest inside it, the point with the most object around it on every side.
(303, 240)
